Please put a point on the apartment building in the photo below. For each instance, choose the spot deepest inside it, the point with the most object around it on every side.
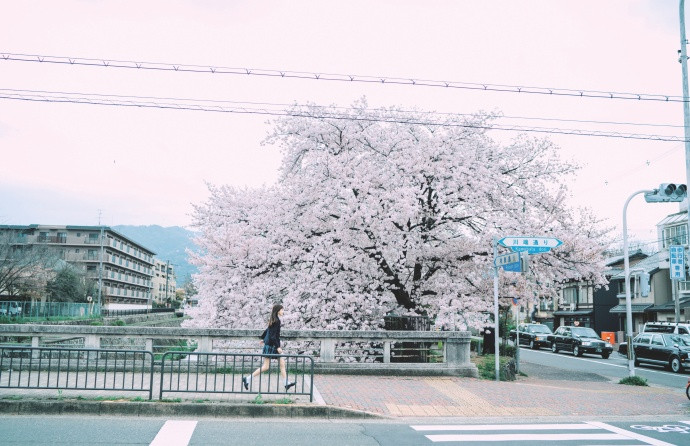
(164, 282)
(123, 268)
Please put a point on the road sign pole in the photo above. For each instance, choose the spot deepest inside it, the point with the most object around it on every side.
(496, 349)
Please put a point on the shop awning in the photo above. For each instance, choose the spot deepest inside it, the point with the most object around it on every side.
(573, 313)
(636, 308)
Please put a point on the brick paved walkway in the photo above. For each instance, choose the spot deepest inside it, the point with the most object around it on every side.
(469, 397)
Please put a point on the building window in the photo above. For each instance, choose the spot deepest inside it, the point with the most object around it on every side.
(570, 295)
(675, 235)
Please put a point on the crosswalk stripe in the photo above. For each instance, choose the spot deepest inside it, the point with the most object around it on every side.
(526, 437)
(500, 427)
(649, 440)
(175, 433)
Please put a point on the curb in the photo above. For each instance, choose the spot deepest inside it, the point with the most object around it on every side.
(144, 409)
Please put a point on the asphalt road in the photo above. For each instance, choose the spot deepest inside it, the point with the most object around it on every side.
(564, 364)
(77, 431)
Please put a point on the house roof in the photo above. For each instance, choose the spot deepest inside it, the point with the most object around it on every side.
(572, 313)
(670, 306)
(649, 265)
(674, 218)
(636, 308)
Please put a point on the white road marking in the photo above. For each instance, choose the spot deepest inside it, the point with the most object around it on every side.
(527, 437)
(175, 433)
(629, 434)
(499, 427)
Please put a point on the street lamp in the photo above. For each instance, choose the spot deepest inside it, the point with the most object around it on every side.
(666, 193)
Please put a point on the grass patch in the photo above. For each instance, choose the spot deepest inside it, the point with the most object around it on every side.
(633, 381)
(171, 400)
(258, 400)
(12, 397)
(486, 366)
(283, 401)
(201, 401)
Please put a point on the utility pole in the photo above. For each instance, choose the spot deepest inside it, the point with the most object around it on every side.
(100, 265)
(167, 277)
(686, 124)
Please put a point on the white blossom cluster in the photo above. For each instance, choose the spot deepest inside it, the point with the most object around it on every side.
(376, 212)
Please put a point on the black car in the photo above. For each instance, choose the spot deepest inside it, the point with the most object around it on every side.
(534, 335)
(663, 349)
(579, 340)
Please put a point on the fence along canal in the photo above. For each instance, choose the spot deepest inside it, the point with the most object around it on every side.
(136, 371)
(212, 361)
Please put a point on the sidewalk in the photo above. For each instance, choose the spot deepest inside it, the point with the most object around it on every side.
(544, 393)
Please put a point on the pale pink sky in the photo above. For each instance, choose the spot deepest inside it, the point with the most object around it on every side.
(61, 163)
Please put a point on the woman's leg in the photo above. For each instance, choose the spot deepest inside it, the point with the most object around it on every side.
(282, 369)
(263, 368)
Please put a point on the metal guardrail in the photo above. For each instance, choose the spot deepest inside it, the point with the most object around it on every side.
(76, 369)
(199, 372)
(135, 370)
(116, 313)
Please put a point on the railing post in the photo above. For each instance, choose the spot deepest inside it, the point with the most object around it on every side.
(386, 352)
(92, 341)
(35, 343)
(205, 344)
(328, 350)
(458, 351)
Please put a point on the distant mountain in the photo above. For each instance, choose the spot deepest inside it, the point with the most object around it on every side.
(169, 244)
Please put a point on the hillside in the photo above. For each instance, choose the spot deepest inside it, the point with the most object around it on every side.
(169, 244)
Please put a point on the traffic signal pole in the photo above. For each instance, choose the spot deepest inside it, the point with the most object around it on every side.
(496, 322)
(686, 123)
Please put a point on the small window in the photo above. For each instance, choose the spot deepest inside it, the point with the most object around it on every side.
(656, 340)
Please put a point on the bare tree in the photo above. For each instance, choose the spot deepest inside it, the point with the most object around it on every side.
(23, 267)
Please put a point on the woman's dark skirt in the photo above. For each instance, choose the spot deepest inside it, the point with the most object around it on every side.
(270, 350)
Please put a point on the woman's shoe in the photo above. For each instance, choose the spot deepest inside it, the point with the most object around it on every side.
(245, 382)
(289, 385)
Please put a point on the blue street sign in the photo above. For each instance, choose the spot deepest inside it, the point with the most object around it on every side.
(676, 261)
(531, 245)
(506, 259)
(512, 267)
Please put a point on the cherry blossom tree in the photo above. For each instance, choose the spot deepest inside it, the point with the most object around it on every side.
(384, 210)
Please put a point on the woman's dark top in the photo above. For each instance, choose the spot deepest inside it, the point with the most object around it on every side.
(273, 334)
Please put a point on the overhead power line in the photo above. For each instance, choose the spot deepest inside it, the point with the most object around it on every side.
(335, 77)
(306, 111)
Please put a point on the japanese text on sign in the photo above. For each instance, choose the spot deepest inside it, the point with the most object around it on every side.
(676, 260)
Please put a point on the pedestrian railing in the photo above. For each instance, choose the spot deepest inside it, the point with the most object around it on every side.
(334, 351)
(133, 312)
(76, 369)
(136, 371)
(198, 372)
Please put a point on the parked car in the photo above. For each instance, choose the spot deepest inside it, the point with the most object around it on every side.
(10, 309)
(579, 340)
(662, 349)
(534, 335)
(666, 327)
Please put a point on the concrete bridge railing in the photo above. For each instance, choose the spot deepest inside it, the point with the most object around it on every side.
(351, 352)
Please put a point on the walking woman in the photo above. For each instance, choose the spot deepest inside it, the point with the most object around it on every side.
(271, 340)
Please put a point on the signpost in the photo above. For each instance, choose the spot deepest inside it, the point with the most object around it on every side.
(676, 267)
(676, 260)
(531, 245)
(516, 261)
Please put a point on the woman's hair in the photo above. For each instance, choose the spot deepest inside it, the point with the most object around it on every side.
(274, 314)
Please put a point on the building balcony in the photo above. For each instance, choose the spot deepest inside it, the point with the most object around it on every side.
(51, 239)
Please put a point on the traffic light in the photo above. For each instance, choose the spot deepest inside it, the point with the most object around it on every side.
(667, 192)
(644, 284)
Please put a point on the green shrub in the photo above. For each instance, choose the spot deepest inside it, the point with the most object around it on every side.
(634, 381)
(119, 323)
(486, 366)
